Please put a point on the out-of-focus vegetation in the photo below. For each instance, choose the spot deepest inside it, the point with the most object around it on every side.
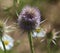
(50, 10)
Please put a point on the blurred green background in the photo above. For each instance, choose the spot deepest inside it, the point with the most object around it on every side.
(50, 10)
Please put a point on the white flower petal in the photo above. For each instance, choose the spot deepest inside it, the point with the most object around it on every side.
(9, 39)
(8, 47)
(1, 45)
(42, 33)
(34, 34)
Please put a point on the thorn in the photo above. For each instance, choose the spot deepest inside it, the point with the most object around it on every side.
(6, 20)
(43, 21)
(57, 32)
(42, 40)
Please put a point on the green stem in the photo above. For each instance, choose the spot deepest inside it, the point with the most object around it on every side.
(48, 45)
(3, 46)
(31, 42)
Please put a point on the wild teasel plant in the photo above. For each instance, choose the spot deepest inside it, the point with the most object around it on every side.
(28, 20)
(4, 30)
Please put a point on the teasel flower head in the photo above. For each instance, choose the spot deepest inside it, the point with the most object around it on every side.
(4, 29)
(53, 35)
(29, 18)
(50, 34)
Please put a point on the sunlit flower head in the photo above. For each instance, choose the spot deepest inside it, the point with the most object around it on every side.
(55, 36)
(4, 28)
(29, 18)
(8, 42)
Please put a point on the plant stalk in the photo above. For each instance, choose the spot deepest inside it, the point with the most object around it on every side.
(31, 42)
(3, 46)
(48, 45)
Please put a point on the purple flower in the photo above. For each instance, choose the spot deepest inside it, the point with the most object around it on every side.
(29, 18)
